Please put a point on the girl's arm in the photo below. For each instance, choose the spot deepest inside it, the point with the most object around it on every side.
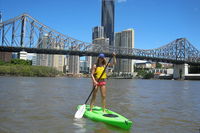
(114, 60)
(92, 75)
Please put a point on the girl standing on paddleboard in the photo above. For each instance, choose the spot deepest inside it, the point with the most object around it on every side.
(96, 72)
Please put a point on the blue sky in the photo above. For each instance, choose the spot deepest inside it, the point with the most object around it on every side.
(155, 22)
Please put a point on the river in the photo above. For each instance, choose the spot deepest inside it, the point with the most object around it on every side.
(48, 105)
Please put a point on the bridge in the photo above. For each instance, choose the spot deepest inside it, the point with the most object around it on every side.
(26, 33)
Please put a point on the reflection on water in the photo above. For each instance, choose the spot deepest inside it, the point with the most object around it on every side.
(80, 125)
(49, 104)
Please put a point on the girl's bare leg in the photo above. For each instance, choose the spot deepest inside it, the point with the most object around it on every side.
(103, 97)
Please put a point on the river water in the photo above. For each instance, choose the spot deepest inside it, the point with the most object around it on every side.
(48, 105)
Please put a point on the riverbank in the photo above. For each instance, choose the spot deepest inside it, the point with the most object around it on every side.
(28, 70)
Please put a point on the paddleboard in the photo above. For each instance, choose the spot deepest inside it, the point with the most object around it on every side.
(109, 117)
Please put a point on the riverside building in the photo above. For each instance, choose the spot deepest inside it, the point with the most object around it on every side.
(124, 39)
(56, 61)
(100, 43)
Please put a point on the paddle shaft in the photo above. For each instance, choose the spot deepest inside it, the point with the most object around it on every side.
(98, 80)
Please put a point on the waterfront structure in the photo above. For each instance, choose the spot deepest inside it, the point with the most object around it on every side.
(66, 64)
(89, 62)
(5, 56)
(15, 55)
(23, 55)
(124, 39)
(83, 66)
(107, 19)
(74, 65)
(34, 59)
(56, 61)
(144, 65)
(43, 59)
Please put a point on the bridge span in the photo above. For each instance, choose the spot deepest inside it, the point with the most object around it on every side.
(26, 33)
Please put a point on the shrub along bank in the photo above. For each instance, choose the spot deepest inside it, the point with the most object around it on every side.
(17, 67)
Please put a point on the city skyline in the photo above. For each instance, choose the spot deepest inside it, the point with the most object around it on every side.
(155, 23)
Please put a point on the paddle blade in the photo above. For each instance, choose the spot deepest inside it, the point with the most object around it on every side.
(80, 112)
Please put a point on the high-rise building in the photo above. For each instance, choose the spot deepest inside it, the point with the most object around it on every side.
(56, 61)
(89, 63)
(83, 66)
(97, 32)
(101, 45)
(43, 59)
(34, 59)
(124, 39)
(107, 19)
(74, 64)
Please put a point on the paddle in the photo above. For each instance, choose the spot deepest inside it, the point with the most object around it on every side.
(81, 110)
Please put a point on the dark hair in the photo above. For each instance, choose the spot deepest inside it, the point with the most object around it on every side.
(103, 62)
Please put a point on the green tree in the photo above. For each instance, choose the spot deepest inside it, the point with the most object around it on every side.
(158, 65)
(2, 62)
(20, 62)
(148, 75)
(145, 74)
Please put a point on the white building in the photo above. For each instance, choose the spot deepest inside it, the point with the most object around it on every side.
(23, 55)
(97, 32)
(89, 62)
(34, 59)
(74, 64)
(100, 45)
(56, 61)
(83, 66)
(124, 39)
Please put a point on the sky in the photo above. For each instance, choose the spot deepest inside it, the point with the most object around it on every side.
(155, 22)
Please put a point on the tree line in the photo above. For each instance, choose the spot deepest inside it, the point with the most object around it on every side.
(19, 67)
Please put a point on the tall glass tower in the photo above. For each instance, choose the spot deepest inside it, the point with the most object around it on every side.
(107, 19)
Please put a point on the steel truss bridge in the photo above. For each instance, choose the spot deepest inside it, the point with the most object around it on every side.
(26, 33)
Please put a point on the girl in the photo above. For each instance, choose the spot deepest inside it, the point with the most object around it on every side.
(97, 70)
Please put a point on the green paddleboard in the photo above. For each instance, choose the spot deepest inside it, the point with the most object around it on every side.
(109, 117)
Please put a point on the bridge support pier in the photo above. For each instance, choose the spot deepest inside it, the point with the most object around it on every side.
(180, 70)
